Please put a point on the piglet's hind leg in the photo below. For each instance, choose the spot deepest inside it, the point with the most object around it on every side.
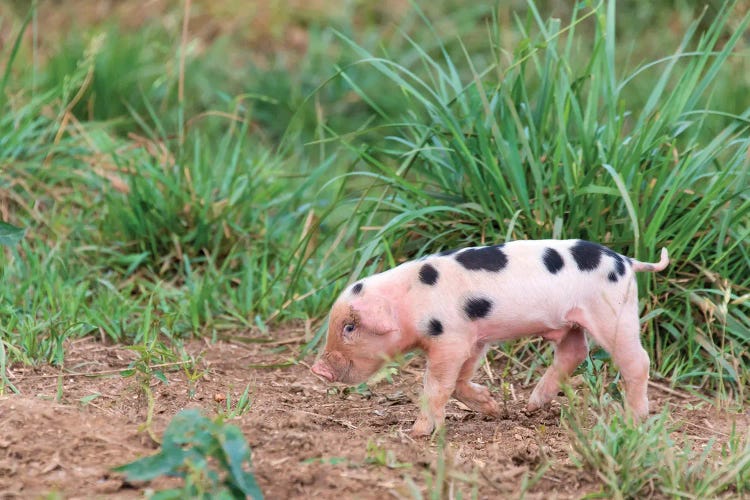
(619, 334)
(632, 360)
(570, 350)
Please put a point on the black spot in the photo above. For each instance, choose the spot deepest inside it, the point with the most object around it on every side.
(619, 262)
(483, 259)
(477, 307)
(553, 260)
(357, 288)
(446, 253)
(587, 255)
(620, 265)
(434, 327)
(608, 251)
(612, 276)
(428, 274)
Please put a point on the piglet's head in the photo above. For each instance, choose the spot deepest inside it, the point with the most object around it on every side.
(362, 334)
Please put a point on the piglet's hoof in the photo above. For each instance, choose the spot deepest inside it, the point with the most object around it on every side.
(532, 407)
(421, 428)
(478, 398)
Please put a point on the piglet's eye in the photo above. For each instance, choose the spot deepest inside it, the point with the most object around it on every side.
(348, 328)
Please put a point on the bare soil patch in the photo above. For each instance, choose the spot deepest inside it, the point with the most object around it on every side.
(308, 440)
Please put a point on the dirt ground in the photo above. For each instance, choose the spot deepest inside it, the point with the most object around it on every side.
(308, 440)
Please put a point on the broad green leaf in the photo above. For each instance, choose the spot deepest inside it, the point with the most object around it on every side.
(148, 468)
(159, 374)
(237, 453)
(10, 235)
(173, 494)
(189, 442)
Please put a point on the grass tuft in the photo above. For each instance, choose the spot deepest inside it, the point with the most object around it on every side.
(655, 457)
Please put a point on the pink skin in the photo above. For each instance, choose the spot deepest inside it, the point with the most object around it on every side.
(387, 315)
(322, 370)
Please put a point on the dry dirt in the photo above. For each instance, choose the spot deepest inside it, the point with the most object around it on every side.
(308, 440)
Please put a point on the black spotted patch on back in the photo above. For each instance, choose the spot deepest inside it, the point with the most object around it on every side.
(587, 255)
(357, 288)
(428, 274)
(434, 327)
(619, 261)
(483, 259)
(477, 307)
(619, 264)
(552, 260)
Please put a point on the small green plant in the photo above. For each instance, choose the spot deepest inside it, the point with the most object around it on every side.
(443, 480)
(59, 393)
(212, 457)
(4, 381)
(192, 368)
(595, 374)
(329, 461)
(153, 356)
(362, 389)
(379, 455)
(229, 411)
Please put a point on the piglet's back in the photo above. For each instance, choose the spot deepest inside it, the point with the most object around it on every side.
(520, 286)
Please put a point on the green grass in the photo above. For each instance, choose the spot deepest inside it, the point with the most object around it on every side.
(655, 457)
(249, 198)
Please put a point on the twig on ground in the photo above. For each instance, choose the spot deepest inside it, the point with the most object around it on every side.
(668, 390)
(326, 417)
(104, 372)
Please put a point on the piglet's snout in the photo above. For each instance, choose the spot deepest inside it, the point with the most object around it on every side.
(321, 369)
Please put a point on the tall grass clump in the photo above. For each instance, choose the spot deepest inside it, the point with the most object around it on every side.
(130, 75)
(35, 298)
(223, 217)
(145, 216)
(546, 140)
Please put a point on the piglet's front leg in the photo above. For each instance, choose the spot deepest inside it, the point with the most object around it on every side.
(439, 383)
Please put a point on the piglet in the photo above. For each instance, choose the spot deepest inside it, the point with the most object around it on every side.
(452, 305)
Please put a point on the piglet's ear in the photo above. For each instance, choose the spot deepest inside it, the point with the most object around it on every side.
(375, 314)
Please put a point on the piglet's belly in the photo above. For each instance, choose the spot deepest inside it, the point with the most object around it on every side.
(552, 329)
